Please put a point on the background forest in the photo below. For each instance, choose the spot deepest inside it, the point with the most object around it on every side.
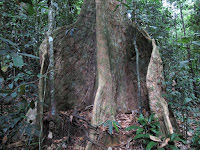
(174, 24)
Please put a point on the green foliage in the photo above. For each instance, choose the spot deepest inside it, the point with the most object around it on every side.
(149, 127)
(149, 133)
(111, 124)
(196, 139)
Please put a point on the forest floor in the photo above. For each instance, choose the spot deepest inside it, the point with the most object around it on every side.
(72, 132)
(76, 136)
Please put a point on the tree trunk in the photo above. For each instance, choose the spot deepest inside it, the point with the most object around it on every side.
(95, 56)
(156, 88)
(95, 62)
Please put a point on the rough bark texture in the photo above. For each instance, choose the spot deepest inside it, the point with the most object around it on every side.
(78, 56)
(95, 63)
(155, 87)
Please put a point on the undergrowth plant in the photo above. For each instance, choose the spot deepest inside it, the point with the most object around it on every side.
(196, 139)
(111, 124)
(149, 134)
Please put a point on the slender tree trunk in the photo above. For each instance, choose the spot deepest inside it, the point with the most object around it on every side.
(183, 24)
(189, 53)
(137, 57)
(42, 83)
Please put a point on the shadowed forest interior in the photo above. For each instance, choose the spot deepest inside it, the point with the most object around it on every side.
(100, 74)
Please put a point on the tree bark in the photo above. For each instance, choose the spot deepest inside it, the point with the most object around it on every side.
(95, 62)
(155, 86)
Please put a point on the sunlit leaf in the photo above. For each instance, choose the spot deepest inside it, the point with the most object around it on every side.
(55, 5)
(4, 68)
(117, 123)
(196, 43)
(116, 128)
(154, 138)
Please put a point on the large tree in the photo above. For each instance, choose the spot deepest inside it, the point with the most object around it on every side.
(95, 63)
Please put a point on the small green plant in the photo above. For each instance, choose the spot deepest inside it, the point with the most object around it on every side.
(148, 130)
(196, 139)
(110, 124)
(149, 133)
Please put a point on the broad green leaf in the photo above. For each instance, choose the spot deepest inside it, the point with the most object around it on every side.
(117, 123)
(116, 8)
(107, 123)
(110, 127)
(5, 51)
(172, 147)
(127, 6)
(187, 100)
(150, 145)
(31, 11)
(18, 61)
(139, 130)
(154, 131)
(6, 91)
(196, 43)
(151, 118)
(8, 41)
(184, 40)
(116, 128)
(45, 76)
(14, 94)
(139, 136)
(197, 51)
(173, 136)
(11, 85)
(131, 128)
(55, 5)
(4, 68)
(181, 140)
(154, 27)
(29, 55)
